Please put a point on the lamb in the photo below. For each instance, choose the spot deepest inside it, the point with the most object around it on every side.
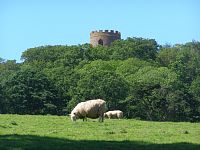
(115, 114)
(91, 109)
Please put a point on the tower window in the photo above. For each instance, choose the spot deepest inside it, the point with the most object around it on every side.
(100, 42)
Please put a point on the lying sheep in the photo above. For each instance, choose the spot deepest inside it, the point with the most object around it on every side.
(115, 114)
(91, 109)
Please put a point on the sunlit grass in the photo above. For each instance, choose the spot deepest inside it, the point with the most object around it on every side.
(52, 128)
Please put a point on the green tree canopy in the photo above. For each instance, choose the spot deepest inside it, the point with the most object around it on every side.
(134, 47)
(143, 79)
(98, 80)
(30, 92)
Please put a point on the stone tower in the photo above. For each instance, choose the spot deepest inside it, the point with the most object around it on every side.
(104, 38)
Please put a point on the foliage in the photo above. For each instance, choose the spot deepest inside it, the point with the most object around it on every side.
(30, 92)
(143, 79)
(91, 84)
(135, 47)
(184, 60)
(2, 101)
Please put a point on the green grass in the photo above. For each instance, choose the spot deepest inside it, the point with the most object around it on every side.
(22, 132)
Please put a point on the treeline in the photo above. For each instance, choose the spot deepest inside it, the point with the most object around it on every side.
(143, 79)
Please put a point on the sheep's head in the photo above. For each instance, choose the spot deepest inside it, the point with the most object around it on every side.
(73, 116)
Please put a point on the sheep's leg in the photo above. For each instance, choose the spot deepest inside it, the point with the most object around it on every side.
(101, 118)
(84, 118)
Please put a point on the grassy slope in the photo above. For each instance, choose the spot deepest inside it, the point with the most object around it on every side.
(54, 132)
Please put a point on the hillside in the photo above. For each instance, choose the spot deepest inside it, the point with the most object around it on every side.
(58, 132)
(132, 75)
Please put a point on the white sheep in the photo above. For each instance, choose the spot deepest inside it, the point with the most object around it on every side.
(91, 109)
(115, 114)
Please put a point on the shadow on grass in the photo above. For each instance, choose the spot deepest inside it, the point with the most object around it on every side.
(30, 142)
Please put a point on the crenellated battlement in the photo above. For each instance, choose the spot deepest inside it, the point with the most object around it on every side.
(106, 31)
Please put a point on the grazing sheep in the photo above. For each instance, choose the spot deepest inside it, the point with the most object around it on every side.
(115, 114)
(91, 109)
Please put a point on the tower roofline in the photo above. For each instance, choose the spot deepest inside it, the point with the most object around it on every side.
(106, 31)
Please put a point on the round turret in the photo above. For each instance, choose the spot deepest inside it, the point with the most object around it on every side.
(104, 38)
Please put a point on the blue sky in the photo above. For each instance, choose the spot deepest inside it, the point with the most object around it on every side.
(30, 23)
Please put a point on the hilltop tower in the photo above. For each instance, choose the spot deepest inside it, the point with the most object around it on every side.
(104, 37)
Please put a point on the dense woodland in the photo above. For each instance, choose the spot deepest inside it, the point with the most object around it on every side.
(143, 79)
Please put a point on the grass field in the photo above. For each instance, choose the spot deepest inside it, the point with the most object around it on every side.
(22, 132)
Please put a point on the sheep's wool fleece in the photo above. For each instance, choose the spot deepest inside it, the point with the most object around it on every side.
(90, 108)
